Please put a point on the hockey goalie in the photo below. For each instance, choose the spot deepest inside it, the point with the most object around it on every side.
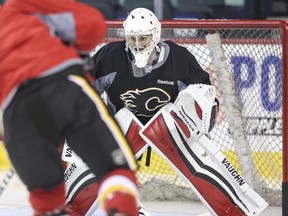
(177, 133)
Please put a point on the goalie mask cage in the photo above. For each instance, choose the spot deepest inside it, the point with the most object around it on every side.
(247, 63)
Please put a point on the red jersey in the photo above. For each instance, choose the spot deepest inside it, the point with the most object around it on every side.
(43, 37)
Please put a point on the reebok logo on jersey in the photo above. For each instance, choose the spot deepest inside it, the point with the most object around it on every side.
(165, 82)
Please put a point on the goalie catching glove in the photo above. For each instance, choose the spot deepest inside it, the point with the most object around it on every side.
(198, 104)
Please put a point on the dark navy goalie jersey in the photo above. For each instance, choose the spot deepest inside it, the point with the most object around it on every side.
(145, 91)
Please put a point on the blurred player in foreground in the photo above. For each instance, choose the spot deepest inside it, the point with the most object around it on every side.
(46, 98)
(140, 75)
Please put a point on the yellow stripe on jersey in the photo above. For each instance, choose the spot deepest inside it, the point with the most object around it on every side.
(106, 117)
(4, 160)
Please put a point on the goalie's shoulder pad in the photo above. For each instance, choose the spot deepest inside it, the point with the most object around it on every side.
(197, 101)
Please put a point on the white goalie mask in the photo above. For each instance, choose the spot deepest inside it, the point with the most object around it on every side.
(142, 32)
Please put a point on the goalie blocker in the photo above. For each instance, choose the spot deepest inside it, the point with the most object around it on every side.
(173, 135)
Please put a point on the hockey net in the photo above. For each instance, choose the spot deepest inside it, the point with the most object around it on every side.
(244, 60)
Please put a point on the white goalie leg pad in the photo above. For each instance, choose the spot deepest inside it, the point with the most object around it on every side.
(130, 127)
(75, 176)
(209, 174)
(197, 102)
(68, 155)
(252, 200)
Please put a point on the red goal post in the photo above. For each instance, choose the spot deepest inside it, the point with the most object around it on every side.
(251, 130)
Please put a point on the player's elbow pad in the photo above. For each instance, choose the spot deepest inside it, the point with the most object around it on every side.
(198, 102)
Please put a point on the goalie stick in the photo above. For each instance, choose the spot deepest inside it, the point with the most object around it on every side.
(6, 180)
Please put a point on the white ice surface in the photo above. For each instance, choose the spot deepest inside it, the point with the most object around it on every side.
(14, 202)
